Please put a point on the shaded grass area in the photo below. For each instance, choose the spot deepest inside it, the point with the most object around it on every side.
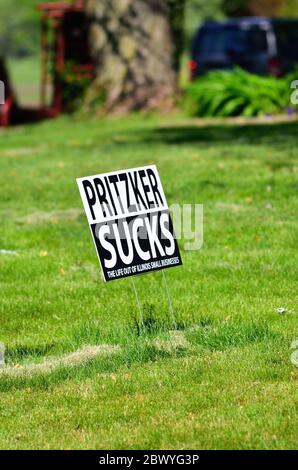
(136, 346)
(234, 386)
(168, 402)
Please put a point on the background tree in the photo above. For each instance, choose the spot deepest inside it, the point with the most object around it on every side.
(19, 20)
(136, 46)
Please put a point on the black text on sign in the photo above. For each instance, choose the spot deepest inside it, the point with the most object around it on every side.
(130, 222)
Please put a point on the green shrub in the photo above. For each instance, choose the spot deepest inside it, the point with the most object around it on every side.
(74, 87)
(238, 93)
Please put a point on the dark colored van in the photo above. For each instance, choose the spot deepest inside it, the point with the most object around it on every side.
(257, 44)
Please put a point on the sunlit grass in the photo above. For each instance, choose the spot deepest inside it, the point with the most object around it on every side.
(25, 79)
(233, 386)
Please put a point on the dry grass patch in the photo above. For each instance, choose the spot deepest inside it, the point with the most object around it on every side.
(176, 342)
(77, 358)
(54, 217)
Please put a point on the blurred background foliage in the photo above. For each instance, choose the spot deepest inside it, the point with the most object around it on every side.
(19, 20)
(19, 28)
(19, 39)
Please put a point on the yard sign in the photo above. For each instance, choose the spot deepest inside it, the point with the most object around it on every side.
(130, 222)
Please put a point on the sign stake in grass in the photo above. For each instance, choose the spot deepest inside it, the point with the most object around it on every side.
(138, 303)
(170, 300)
(130, 223)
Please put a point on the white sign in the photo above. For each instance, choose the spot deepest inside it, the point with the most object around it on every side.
(130, 222)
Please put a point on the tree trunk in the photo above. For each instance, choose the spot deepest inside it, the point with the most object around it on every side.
(134, 52)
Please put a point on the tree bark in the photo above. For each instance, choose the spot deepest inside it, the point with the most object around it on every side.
(135, 54)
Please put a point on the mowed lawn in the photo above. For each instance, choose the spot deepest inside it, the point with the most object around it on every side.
(25, 79)
(225, 380)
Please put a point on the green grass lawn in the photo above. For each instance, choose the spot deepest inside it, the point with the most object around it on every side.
(25, 78)
(230, 383)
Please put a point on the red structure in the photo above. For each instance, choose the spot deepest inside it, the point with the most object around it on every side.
(64, 49)
(7, 107)
(64, 44)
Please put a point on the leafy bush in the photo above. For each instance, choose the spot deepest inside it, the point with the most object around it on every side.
(238, 93)
(74, 87)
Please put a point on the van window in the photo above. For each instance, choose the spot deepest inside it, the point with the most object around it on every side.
(287, 40)
(222, 40)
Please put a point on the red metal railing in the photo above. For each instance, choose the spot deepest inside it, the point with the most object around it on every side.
(5, 111)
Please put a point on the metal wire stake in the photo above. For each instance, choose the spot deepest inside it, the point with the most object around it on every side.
(138, 302)
(170, 301)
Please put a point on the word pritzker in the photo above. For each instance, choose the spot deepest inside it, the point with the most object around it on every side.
(123, 193)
